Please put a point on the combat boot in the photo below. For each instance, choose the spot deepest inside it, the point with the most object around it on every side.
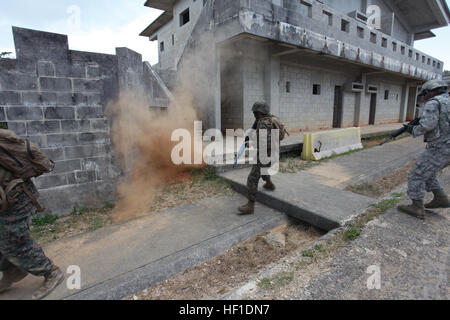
(52, 279)
(249, 208)
(11, 276)
(269, 186)
(416, 209)
(440, 200)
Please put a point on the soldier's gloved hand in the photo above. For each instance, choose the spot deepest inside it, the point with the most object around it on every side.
(409, 128)
(247, 142)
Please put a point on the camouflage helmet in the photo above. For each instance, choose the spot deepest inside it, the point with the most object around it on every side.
(433, 85)
(261, 107)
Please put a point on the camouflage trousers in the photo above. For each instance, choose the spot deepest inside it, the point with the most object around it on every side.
(17, 248)
(253, 181)
(423, 177)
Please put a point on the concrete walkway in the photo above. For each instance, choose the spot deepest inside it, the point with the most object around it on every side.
(309, 195)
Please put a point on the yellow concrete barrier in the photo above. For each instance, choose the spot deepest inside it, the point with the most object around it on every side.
(324, 144)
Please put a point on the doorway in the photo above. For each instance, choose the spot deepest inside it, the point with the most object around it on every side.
(373, 108)
(338, 107)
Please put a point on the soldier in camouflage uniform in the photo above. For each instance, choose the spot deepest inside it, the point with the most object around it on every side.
(19, 253)
(263, 121)
(435, 126)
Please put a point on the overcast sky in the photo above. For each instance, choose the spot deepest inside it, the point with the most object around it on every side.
(103, 25)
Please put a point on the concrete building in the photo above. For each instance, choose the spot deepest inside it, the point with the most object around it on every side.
(446, 77)
(319, 64)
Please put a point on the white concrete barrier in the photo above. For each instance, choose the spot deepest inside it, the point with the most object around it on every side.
(324, 144)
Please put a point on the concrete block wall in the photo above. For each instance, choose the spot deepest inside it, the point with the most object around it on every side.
(300, 110)
(56, 97)
(253, 70)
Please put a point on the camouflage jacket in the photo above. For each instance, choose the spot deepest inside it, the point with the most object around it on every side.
(264, 124)
(434, 121)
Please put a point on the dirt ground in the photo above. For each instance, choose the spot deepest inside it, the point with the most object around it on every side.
(218, 276)
(384, 185)
(50, 228)
(192, 186)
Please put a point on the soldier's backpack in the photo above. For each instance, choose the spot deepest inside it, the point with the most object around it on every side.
(24, 161)
(276, 124)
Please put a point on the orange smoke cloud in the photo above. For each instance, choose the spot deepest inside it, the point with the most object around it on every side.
(142, 140)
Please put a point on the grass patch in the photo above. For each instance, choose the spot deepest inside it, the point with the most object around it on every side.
(314, 252)
(47, 219)
(308, 253)
(354, 231)
(48, 228)
(280, 280)
(196, 185)
(352, 234)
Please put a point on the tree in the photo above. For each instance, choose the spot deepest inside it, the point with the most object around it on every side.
(4, 54)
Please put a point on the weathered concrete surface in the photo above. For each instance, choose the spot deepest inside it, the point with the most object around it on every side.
(368, 164)
(120, 260)
(309, 195)
(301, 197)
(413, 257)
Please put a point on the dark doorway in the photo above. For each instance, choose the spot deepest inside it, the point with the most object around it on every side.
(373, 108)
(412, 101)
(338, 108)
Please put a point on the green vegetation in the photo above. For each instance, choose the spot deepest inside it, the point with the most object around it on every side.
(354, 231)
(352, 234)
(48, 228)
(277, 281)
(5, 54)
(47, 219)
